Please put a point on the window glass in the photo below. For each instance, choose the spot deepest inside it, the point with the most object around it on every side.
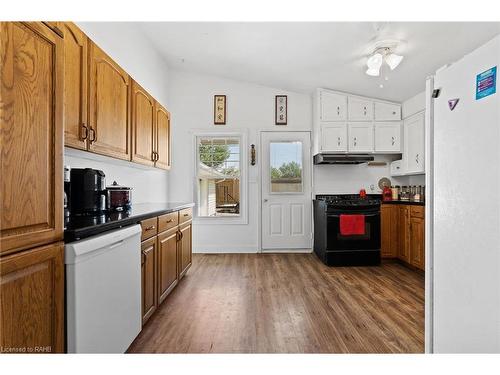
(286, 167)
(219, 167)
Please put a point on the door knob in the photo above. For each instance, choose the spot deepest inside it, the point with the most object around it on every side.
(265, 200)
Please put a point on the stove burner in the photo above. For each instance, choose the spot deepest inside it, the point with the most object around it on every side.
(348, 200)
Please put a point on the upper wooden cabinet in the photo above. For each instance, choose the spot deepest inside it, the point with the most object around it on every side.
(109, 106)
(32, 308)
(333, 106)
(76, 130)
(162, 147)
(31, 143)
(359, 109)
(143, 126)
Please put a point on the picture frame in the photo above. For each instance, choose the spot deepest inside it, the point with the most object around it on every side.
(281, 110)
(220, 109)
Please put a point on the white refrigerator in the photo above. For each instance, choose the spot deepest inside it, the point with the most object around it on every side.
(466, 205)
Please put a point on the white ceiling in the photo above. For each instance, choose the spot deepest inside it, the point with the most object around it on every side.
(300, 56)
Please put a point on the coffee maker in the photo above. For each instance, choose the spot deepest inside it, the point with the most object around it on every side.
(88, 191)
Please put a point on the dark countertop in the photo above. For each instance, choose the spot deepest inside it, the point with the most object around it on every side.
(405, 202)
(77, 227)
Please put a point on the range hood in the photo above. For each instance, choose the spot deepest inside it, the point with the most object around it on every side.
(326, 158)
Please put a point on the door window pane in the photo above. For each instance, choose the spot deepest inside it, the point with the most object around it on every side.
(286, 167)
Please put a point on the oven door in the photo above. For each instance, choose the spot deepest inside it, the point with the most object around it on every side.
(368, 241)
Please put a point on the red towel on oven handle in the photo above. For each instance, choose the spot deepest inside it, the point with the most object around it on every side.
(352, 225)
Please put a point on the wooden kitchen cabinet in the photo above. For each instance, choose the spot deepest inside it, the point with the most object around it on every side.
(390, 228)
(162, 137)
(76, 130)
(417, 242)
(31, 122)
(359, 109)
(166, 256)
(149, 282)
(185, 248)
(109, 106)
(360, 137)
(403, 233)
(404, 242)
(143, 126)
(32, 303)
(167, 262)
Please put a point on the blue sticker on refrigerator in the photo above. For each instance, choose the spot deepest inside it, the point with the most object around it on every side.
(486, 83)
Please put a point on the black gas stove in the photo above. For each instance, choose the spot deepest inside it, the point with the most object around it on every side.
(350, 201)
(337, 249)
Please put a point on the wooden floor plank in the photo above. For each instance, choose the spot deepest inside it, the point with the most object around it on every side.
(288, 303)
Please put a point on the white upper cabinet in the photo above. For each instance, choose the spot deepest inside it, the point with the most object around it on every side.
(387, 112)
(388, 137)
(360, 137)
(333, 107)
(359, 109)
(334, 137)
(414, 142)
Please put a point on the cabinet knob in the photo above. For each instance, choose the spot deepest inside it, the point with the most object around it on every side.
(147, 229)
(393, 141)
(416, 158)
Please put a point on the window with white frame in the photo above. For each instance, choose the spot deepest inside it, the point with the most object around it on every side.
(218, 175)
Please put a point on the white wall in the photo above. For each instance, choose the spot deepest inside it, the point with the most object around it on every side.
(466, 224)
(250, 108)
(349, 179)
(126, 44)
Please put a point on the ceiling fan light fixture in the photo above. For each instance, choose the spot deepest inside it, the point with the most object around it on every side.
(374, 63)
(374, 72)
(393, 60)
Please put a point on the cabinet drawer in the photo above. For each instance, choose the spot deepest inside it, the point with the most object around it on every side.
(417, 211)
(168, 221)
(149, 228)
(185, 215)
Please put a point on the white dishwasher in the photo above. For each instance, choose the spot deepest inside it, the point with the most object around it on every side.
(103, 291)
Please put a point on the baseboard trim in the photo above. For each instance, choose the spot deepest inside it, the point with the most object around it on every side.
(287, 251)
(225, 249)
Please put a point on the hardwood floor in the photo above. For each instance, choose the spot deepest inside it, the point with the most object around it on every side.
(288, 303)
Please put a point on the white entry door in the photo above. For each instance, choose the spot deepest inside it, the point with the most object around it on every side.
(286, 191)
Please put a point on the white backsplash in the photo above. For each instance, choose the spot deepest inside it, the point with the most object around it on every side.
(149, 184)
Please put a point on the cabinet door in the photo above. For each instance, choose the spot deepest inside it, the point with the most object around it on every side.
(167, 263)
(359, 109)
(388, 137)
(385, 225)
(414, 139)
(404, 241)
(31, 141)
(334, 137)
(185, 248)
(148, 282)
(162, 137)
(417, 244)
(389, 217)
(32, 304)
(333, 106)
(75, 87)
(109, 105)
(143, 125)
(387, 112)
(360, 137)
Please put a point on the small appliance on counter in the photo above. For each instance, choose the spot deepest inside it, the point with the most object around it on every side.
(119, 197)
(88, 191)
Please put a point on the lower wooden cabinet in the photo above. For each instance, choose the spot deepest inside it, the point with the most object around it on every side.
(32, 300)
(185, 248)
(403, 233)
(167, 262)
(149, 284)
(417, 242)
(404, 242)
(166, 252)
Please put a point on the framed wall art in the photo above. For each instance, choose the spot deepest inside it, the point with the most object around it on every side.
(281, 110)
(220, 109)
